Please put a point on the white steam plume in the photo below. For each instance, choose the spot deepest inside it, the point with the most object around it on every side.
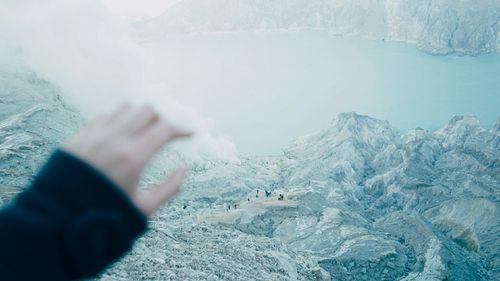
(86, 50)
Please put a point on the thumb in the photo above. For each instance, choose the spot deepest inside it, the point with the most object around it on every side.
(150, 201)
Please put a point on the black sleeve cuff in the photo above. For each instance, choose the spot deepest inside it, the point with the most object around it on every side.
(98, 220)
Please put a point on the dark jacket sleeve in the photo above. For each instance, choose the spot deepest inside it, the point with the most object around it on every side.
(71, 223)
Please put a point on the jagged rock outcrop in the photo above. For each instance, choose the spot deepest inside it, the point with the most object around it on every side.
(357, 200)
(360, 202)
(34, 119)
(435, 26)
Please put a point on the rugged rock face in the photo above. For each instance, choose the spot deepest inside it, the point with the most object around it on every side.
(437, 26)
(355, 201)
(361, 202)
(33, 121)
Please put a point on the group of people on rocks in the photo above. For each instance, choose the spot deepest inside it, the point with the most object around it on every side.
(268, 194)
(234, 207)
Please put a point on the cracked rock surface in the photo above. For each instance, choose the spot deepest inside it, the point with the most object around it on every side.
(358, 200)
(465, 27)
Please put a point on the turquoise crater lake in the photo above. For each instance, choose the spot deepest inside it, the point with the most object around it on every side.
(264, 89)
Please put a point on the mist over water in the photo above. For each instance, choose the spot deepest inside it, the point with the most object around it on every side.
(356, 200)
(264, 89)
(257, 90)
(86, 51)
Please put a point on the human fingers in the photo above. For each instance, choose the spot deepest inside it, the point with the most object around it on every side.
(136, 120)
(98, 121)
(150, 201)
(156, 136)
(118, 113)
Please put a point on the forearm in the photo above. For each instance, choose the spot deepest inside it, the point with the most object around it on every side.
(71, 223)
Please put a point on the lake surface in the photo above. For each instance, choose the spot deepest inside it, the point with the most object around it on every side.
(264, 89)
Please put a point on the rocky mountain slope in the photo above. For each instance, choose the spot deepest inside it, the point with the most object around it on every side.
(437, 26)
(34, 119)
(360, 202)
(357, 200)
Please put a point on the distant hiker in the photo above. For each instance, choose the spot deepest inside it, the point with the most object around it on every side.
(184, 207)
(235, 205)
(256, 195)
(248, 199)
(229, 208)
(257, 191)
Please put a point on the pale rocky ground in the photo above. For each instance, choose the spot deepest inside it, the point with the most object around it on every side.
(362, 201)
(465, 27)
(33, 121)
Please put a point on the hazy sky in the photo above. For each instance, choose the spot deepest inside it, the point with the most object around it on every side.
(138, 8)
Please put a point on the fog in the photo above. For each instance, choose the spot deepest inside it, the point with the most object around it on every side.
(264, 89)
(247, 92)
(137, 10)
(86, 50)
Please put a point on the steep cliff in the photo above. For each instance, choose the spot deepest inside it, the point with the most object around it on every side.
(435, 26)
(361, 201)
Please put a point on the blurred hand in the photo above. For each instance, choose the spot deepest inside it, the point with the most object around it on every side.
(120, 145)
